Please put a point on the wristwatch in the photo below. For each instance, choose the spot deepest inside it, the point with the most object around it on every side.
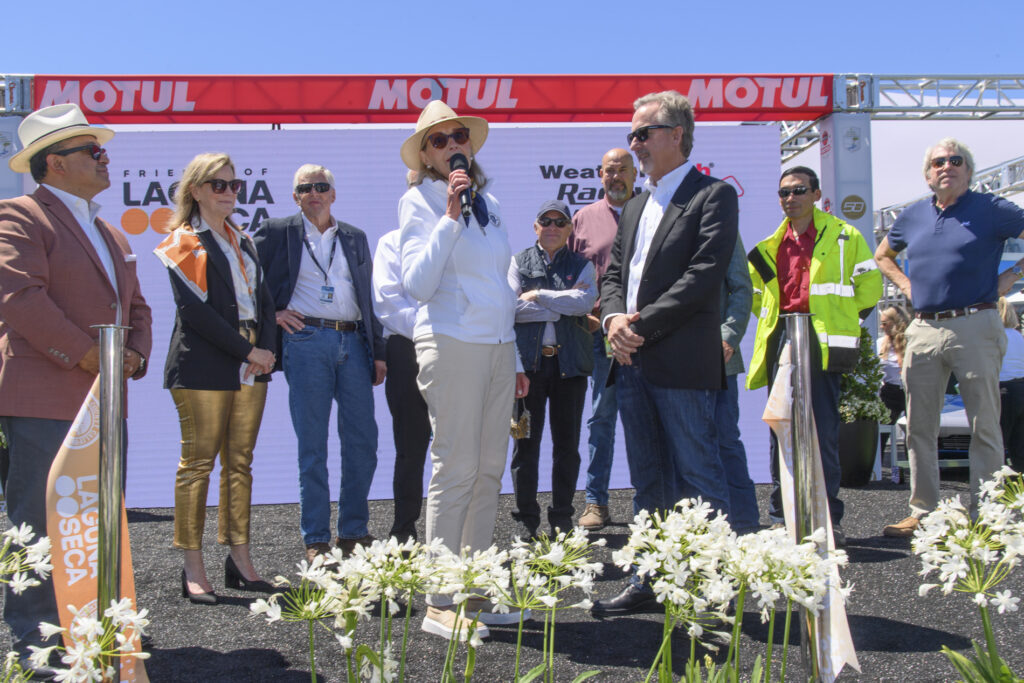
(1017, 271)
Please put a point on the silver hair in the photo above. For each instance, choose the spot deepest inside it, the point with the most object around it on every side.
(953, 145)
(673, 110)
(311, 169)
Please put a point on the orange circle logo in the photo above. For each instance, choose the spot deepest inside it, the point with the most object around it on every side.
(161, 220)
(134, 221)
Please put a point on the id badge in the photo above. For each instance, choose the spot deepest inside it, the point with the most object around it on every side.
(326, 294)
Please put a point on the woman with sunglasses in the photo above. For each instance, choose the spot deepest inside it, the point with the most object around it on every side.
(217, 368)
(455, 262)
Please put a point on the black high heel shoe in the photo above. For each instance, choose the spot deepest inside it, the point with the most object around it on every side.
(196, 598)
(233, 579)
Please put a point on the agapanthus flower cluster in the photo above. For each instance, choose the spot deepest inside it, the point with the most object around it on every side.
(96, 645)
(20, 558)
(681, 555)
(544, 568)
(772, 566)
(975, 555)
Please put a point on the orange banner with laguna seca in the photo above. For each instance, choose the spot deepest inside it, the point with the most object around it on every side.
(399, 99)
(72, 523)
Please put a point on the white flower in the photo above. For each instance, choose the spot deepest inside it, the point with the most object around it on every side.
(21, 582)
(1005, 601)
(20, 535)
(49, 630)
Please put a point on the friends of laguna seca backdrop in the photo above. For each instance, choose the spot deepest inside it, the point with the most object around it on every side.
(528, 164)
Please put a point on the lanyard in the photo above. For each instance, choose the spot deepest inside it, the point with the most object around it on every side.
(309, 248)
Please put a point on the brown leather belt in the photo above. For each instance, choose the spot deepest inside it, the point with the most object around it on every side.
(339, 325)
(549, 351)
(953, 312)
(247, 324)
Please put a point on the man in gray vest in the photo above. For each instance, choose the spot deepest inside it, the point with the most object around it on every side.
(556, 291)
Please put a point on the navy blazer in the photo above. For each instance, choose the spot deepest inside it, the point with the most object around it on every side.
(678, 295)
(279, 243)
(206, 350)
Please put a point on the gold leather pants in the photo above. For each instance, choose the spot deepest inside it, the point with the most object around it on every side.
(212, 422)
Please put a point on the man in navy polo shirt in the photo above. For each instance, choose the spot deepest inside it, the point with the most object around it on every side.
(954, 241)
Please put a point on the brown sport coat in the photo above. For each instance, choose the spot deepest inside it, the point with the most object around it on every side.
(53, 288)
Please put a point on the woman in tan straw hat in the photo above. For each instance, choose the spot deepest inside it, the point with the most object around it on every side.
(456, 266)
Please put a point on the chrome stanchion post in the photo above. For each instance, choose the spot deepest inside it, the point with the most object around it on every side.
(111, 474)
(798, 330)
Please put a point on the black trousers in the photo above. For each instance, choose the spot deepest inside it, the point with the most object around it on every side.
(410, 426)
(1011, 420)
(564, 398)
(895, 399)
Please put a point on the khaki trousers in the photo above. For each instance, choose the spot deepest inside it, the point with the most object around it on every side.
(469, 390)
(212, 422)
(972, 348)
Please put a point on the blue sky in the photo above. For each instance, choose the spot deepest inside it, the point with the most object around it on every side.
(528, 36)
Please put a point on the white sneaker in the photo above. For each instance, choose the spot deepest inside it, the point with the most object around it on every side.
(441, 621)
(485, 612)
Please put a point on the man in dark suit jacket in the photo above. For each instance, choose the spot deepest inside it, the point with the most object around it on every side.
(332, 349)
(62, 270)
(660, 308)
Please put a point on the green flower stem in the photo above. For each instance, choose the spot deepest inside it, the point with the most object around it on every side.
(405, 638)
(769, 648)
(656, 664)
(519, 645)
(785, 638)
(312, 653)
(990, 639)
(736, 626)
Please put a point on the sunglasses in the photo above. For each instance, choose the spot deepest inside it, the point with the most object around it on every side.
(798, 190)
(95, 151)
(440, 140)
(306, 188)
(218, 186)
(640, 134)
(939, 162)
(544, 221)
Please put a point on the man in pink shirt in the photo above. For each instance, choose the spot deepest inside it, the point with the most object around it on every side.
(593, 232)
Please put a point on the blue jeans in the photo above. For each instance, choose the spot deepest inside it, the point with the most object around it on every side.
(322, 365)
(601, 426)
(743, 512)
(671, 444)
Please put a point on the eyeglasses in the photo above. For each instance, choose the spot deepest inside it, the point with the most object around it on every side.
(306, 188)
(218, 186)
(440, 140)
(798, 190)
(95, 151)
(641, 133)
(545, 221)
(939, 162)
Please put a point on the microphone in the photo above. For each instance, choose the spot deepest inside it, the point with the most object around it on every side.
(458, 162)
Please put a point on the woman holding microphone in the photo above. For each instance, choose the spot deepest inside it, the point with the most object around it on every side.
(217, 368)
(455, 264)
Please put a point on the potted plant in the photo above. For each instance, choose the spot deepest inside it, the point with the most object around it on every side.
(861, 410)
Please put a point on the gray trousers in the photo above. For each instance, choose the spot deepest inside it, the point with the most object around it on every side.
(972, 348)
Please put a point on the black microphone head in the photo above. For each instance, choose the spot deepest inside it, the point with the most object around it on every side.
(458, 162)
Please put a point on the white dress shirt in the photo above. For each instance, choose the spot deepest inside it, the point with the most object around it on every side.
(395, 309)
(244, 283)
(306, 298)
(650, 219)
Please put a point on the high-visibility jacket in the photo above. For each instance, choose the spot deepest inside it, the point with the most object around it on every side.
(845, 284)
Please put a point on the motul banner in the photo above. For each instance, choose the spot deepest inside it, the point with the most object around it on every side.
(399, 99)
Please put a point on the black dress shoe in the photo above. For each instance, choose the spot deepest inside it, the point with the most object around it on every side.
(196, 598)
(38, 673)
(233, 579)
(630, 601)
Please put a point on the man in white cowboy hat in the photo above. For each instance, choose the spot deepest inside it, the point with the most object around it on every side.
(62, 271)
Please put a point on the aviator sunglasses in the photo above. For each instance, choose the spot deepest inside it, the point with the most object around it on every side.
(640, 134)
(306, 188)
(218, 186)
(798, 190)
(545, 221)
(440, 140)
(939, 162)
(95, 151)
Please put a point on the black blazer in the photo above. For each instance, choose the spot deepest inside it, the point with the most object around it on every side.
(279, 243)
(678, 296)
(206, 350)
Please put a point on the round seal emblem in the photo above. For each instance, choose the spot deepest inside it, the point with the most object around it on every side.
(86, 428)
